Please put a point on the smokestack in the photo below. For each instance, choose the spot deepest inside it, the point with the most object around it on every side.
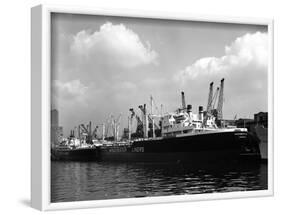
(183, 101)
(200, 109)
(189, 108)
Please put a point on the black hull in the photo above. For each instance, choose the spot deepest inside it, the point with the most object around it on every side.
(195, 149)
(83, 154)
(169, 157)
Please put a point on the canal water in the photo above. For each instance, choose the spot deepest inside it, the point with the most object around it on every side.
(78, 181)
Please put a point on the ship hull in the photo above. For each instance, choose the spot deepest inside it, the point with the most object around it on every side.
(200, 148)
(82, 154)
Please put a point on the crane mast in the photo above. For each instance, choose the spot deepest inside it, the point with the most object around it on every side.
(139, 129)
(144, 120)
(214, 100)
(210, 98)
(220, 101)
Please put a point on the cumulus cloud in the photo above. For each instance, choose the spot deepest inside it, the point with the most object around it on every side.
(244, 66)
(69, 91)
(113, 44)
(249, 50)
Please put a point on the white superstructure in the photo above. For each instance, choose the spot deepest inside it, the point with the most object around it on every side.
(183, 123)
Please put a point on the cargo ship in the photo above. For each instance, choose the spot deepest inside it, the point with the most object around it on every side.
(180, 136)
(66, 152)
(185, 138)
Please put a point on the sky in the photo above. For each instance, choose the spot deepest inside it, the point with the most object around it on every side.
(102, 66)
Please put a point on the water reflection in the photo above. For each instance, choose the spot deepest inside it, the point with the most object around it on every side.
(76, 181)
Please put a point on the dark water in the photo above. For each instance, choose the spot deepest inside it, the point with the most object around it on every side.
(76, 181)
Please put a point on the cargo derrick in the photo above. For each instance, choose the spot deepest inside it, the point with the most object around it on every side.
(220, 102)
(214, 111)
(94, 135)
(154, 128)
(107, 128)
(151, 129)
(115, 123)
(212, 100)
(208, 113)
(139, 129)
(144, 120)
(85, 132)
(185, 137)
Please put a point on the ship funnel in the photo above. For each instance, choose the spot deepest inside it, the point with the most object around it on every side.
(189, 108)
(200, 111)
(183, 100)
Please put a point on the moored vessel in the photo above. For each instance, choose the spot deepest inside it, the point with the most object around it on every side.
(179, 136)
(185, 138)
(74, 150)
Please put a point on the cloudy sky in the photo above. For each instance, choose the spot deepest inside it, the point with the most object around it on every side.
(106, 65)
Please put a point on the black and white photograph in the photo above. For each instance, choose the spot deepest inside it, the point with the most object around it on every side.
(148, 107)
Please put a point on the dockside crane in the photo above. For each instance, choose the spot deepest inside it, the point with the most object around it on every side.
(154, 106)
(133, 114)
(214, 100)
(210, 98)
(139, 129)
(99, 132)
(115, 123)
(85, 132)
(94, 134)
(107, 126)
(149, 116)
(212, 110)
(118, 121)
(220, 101)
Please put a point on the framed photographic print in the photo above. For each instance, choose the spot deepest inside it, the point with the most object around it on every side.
(133, 107)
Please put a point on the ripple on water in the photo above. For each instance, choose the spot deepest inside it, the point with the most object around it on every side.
(77, 181)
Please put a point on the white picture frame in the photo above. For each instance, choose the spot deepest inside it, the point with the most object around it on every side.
(40, 107)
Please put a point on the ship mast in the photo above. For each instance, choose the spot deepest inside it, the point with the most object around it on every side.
(145, 121)
(151, 113)
(129, 127)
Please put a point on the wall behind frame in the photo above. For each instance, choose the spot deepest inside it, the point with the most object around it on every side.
(15, 105)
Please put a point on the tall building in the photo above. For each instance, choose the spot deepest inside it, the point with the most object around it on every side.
(54, 117)
(56, 130)
(261, 118)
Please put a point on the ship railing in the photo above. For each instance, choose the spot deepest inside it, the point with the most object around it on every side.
(149, 138)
